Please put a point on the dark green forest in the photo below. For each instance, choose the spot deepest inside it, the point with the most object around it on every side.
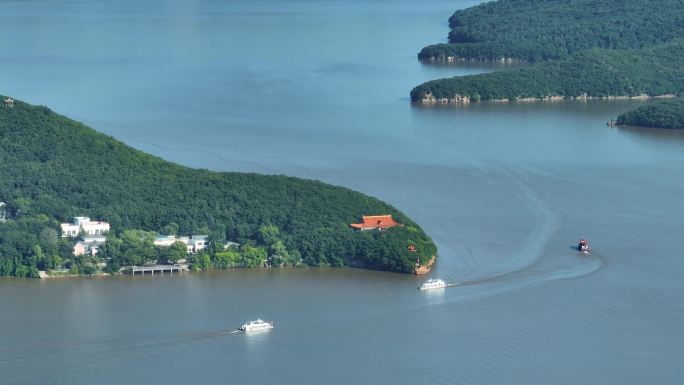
(534, 30)
(661, 114)
(594, 73)
(53, 168)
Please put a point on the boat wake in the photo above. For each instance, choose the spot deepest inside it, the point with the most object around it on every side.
(91, 357)
(532, 264)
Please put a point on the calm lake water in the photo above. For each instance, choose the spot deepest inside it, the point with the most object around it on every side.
(319, 89)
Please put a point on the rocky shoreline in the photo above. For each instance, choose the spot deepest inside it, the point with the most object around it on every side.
(425, 268)
(46, 275)
(429, 99)
(460, 59)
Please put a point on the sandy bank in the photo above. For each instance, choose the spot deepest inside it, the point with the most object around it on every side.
(425, 268)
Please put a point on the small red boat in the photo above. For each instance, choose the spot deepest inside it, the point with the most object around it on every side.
(583, 246)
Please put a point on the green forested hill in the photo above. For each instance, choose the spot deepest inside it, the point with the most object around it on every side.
(53, 168)
(593, 73)
(534, 30)
(662, 114)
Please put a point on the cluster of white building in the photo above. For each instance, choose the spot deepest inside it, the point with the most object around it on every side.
(93, 235)
(84, 224)
(193, 243)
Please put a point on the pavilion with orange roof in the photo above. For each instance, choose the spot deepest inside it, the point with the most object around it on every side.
(373, 222)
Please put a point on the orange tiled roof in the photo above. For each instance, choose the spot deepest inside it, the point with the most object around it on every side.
(375, 222)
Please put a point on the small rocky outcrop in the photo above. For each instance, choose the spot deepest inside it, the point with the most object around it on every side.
(424, 269)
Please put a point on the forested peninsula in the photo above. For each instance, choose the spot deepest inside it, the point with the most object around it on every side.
(595, 73)
(582, 49)
(662, 114)
(534, 30)
(53, 169)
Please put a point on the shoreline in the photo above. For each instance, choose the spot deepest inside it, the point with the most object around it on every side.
(461, 59)
(616, 125)
(421, 270)
(458, 99)
(43, 275)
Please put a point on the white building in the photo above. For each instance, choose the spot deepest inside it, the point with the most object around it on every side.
(197, 243)
(194, 243)
(3, 211)
(86, 225)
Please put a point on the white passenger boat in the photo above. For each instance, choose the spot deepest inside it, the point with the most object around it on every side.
(433, 284)
(259, 324)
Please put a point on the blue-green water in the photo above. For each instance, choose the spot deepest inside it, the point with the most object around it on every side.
(319, 89)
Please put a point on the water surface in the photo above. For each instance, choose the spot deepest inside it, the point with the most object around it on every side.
(319, 89)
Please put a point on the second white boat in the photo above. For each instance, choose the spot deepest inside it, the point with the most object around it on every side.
(433, 284)
(257, 325)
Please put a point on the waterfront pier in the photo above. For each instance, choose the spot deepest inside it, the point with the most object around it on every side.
(159, 269)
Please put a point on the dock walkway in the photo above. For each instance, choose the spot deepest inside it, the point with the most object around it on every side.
(159, 269)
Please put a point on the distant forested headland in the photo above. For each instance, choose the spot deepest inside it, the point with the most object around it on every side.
(53, 169)
(534, 30)
(662, 114)
(583, 49)
(598, 73)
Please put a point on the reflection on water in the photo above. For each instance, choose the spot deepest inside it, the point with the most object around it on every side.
(663, 135)
(255, 341)
(434, 297)
(438, 70)
(474, 66)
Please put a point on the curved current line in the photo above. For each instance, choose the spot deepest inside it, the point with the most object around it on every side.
(536, 266)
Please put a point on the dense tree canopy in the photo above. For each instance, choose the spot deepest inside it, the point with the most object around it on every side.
(594, 73)
(535, 30)
(662, 114)
(52, 169)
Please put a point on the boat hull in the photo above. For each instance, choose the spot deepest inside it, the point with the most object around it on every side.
(432, 287)
(258, 325)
